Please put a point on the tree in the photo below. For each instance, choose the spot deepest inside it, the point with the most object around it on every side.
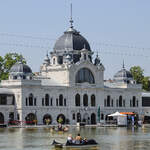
(137, 73)
(7, 62)
(146, 83)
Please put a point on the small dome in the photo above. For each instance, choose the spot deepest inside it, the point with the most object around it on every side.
(20, 68)
(71, 40)
(123, 75)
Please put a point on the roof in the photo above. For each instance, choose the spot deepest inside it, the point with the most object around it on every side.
(123, 74)
(71, 40)
(127, 113)
(19, 67)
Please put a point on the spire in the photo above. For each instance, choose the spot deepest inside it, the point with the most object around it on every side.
(71, 21)
(46, 59)
(123, 64)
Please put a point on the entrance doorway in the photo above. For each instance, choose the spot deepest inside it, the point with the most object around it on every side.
(47, 119)
(31, 119)
(61, 119)
(93, 118)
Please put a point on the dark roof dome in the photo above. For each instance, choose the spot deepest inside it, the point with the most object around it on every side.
(71, 40)
(123, 75)
(19, 67)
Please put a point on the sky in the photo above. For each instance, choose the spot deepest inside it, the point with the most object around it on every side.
(116, 29)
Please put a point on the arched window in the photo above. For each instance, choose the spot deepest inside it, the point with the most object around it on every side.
(120, 101)
(46, 100)
(31, 99)
(60, 100)
(85, 100)
(85, 75)
(108, 101)
(93, 100)
(133, 101)
(77, 100)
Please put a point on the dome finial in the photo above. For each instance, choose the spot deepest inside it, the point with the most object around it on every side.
(123, 64)
(71, 21)
(47, 53)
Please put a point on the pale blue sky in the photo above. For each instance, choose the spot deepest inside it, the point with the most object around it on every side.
(117, 29)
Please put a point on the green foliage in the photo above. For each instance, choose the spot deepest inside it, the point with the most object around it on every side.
(146, 83)
(7, 62)
(137, 73)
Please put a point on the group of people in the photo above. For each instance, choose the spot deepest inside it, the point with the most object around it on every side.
(77, 140)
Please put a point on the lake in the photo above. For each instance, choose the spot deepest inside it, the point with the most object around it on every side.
(109, 138)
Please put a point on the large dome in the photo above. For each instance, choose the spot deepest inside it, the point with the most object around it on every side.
(71, 40)
(20, 68)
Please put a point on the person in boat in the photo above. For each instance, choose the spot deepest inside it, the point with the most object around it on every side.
(70, 139)
(78, 139)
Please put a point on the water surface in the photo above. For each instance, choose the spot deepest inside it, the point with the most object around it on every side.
(108, 138)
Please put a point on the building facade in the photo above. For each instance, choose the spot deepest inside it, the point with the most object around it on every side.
(70, 86)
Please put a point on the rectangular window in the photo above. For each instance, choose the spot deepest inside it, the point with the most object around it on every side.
(34, 101)
(145, 101)
(124, 103)
(117, 103)
(3, 99)
(51, 102)
(104, 102)
(26, 101)
(64, 102)
(57, 102)
(112, 103)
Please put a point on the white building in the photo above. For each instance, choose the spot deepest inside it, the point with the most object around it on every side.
(70, 84)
